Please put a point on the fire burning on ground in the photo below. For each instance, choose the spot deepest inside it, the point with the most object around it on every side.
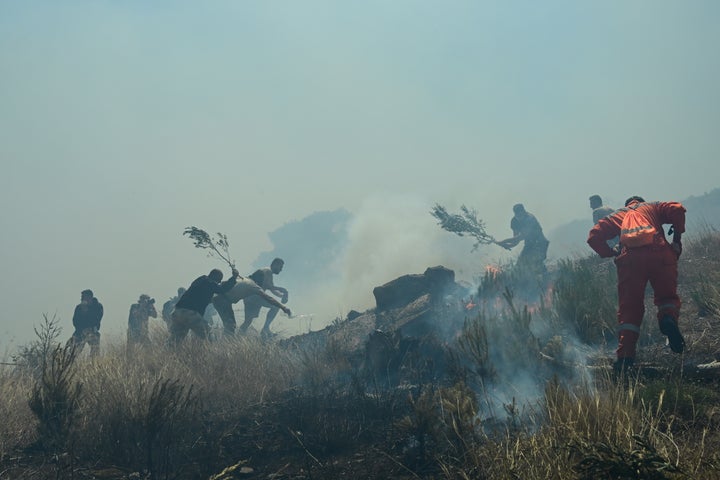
(493, 270)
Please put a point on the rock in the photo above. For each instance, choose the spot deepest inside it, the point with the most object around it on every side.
(411, 309)
(407, 288)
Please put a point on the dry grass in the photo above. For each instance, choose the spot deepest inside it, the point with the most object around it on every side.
(584, 296)
(181, 391)
(147, 409)
(18, 427)
(589, 433)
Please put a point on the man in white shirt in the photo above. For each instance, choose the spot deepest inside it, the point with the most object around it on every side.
(264, 278)
(243, 289)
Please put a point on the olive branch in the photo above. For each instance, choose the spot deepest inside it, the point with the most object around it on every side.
(463, 224)
(217, 247)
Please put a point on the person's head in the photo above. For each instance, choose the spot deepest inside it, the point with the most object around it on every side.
(595, 201)
(277, 265)
(633, 199)
(145, 299)
(86, 296)
(215, 275)
(518, 209)
(181, 290)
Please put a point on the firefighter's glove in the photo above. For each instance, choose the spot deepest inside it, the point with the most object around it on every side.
(677, 248)
(287, 312)
(284, 298)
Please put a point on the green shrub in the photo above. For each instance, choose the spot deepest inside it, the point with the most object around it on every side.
(585, 298)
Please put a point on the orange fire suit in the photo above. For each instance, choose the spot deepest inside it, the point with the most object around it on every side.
(656, 263)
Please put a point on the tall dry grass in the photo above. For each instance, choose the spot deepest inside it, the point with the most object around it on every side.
(18, 428)
(148, 409)
(586, 432)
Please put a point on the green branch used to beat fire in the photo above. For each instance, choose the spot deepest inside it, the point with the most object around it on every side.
(217, 247)
(463, 224)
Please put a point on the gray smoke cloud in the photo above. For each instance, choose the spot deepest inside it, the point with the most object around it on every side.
(389, 235)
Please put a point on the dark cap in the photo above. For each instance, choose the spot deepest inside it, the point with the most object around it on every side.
(215, 275)
(87, 293)
(634, 198)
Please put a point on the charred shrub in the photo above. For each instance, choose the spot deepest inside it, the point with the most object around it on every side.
(55, 394)
(151, 431)
(441, 423)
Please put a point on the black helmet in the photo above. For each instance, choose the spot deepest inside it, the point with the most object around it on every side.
(634, 199)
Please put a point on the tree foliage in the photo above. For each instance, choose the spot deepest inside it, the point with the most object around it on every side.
(463, 224)
(217, 247)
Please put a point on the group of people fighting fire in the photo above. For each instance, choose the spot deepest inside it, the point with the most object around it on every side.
(187, 311)
(632, 235)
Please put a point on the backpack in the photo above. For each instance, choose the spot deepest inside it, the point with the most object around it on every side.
(258, 277)
(636, 229)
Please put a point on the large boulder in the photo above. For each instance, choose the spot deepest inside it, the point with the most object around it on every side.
(415, 314)
(404, 290)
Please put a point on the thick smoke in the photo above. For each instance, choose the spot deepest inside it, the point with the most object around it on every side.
(335, 259)
(388, 236)
(394, 236)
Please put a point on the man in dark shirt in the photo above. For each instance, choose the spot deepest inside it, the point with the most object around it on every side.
(189, 310)
(86, 320)
(527, 229)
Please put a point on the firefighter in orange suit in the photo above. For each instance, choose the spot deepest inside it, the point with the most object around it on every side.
(643, 255)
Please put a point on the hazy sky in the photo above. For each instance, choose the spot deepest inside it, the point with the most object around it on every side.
(122, 122)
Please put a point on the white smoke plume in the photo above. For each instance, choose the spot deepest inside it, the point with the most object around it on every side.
(388, 236)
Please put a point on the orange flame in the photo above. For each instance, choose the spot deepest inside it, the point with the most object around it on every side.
(493, 270)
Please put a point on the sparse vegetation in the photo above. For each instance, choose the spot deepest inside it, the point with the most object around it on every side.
(585, 298)
(55, 391)
(521, 390)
